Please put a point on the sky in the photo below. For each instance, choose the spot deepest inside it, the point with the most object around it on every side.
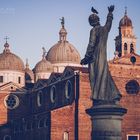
(33, 24)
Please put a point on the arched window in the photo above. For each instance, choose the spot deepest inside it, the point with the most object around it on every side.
(125, 48)
(21, 127)
(41, 123)
(131, 48)
(33, 125)
(46, 123)
(132, 87)
(28, 126)
(7, 137)
(53, 94)
(39, 98)
(68, 89)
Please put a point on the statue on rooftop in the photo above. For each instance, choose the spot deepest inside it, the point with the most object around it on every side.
(102, 85)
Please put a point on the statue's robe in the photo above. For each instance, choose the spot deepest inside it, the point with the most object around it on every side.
(102, 84)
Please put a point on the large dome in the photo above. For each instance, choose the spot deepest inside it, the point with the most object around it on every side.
(63, 51)
(125, 21)
(10, 61)
(43, 66)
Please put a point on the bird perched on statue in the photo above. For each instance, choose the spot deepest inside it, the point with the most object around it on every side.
(94, 10)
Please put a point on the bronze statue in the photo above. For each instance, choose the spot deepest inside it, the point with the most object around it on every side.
(62, 22)
(102, 85)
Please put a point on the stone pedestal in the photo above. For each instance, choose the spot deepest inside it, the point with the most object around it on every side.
(106, 121)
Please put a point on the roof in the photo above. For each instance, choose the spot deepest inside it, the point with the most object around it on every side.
(126, 59)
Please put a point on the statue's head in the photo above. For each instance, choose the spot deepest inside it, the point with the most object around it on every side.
(93, 18)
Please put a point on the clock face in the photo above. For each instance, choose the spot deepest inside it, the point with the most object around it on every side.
(133, 59)
(11, 101)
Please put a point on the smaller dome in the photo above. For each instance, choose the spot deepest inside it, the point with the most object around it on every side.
(43, 66)
(10, 61)
(125, 21)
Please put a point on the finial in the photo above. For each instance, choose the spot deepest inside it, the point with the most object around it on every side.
(44, 52)
(27, 64)
(6, 38)
(125, 10)
(6, 45)
(62, 22)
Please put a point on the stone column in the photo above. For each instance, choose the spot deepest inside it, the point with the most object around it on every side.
(106, 121)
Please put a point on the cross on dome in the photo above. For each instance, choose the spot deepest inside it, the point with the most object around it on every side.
(125, 10)
(6, 38)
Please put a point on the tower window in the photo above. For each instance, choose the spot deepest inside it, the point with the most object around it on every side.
(19, 80)
(131, 48)
(1, 79)
(125, 48)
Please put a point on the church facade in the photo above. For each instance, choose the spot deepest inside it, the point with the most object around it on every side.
(49, 102)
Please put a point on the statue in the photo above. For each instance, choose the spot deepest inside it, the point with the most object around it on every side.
(102, 85)
(62, 22)
(44, 53)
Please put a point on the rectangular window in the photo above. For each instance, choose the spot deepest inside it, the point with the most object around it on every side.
(132, 137)
(1, 79)
(66, 136)
(19, 80)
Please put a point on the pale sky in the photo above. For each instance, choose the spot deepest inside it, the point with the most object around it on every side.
(33, 24)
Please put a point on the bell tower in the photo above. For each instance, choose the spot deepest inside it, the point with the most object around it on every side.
(125, 42)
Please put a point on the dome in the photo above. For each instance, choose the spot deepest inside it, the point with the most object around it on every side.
(125, 21)
(10, 61)
(63, 52)
(43, 66)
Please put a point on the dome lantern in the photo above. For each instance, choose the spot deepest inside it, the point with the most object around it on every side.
(6, 46)
(62, 32)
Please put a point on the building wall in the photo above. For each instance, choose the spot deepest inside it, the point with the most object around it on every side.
(3, 109)
(12, 76)
(62, 120)
(84, 103)
(122, 74)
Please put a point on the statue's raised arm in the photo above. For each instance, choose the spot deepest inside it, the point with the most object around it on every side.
(109, 17)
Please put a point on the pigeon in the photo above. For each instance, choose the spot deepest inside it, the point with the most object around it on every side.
(94, 10)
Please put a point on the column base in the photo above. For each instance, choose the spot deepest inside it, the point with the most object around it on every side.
(106, 121)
